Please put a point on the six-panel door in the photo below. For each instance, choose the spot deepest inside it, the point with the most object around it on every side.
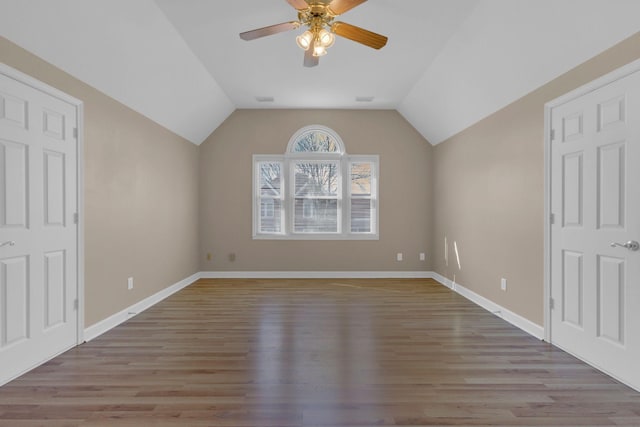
(38, 283)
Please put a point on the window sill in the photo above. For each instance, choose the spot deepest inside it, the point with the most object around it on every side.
(316, 237)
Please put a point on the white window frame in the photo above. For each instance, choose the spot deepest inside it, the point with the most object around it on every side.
(257, 198)
(315, 158)
(374, 161)
(288, 161)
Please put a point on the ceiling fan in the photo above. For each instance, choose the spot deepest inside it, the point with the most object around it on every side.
(319, 17)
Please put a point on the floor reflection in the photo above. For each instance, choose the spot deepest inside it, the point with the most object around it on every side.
(317, 360)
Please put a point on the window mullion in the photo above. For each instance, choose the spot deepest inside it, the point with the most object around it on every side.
(289, 195)
(346, 196)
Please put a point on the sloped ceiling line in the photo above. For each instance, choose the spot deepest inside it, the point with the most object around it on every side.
(448, 63)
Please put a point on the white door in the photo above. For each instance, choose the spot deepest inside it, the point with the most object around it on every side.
(38, 234)
(595, 200)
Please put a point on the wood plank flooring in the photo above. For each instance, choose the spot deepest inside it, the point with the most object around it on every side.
(287, 353)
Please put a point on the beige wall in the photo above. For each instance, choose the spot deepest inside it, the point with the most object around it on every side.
(141, 195)
(225, 192)
(488, 193)
(155, 204)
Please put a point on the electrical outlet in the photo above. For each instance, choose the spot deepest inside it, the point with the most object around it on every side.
(209, 256)
(503, 284)
(422, 256)
(399, 256)
(130, 283)
(232, 257)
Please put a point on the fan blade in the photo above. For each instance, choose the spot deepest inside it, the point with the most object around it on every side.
(309, 59)
(298, 4)
(338, 7)
(359, 35)
(270, 30)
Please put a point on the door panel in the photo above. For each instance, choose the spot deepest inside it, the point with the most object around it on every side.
(14, 283)
(572, 289)
(53, 124)
(54, 189)
(13, 110)
(611, 311)
(54, 295)
(611, 113)
(572, 127)
(572, 191)
(13, 184)
(611, 185)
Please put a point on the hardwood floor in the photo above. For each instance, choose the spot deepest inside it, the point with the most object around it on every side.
(316, 353)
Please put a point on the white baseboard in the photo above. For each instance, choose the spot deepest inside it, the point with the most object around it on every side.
(111, 322)
(316, 274)
(443, 280)
(508, 315)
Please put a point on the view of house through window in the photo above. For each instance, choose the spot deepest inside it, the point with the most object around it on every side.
(315, 190)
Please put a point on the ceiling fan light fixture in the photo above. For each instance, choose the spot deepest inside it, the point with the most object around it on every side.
(319, 49)
(304, 40)
(326, 38)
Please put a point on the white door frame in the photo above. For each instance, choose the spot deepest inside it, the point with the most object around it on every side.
(79, 106)
(611, 77)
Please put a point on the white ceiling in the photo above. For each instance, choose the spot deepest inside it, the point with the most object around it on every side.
(448, 63)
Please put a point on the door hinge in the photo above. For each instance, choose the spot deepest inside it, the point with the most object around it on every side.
(553, 134)
(552, 303)
(75, 218)
(75, 304)
(75, 133)
(552, 218)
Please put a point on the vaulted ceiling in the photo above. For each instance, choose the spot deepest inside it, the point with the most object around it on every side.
(447, 65)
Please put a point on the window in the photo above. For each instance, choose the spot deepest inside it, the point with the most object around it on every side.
(270, 197)
(315, 190)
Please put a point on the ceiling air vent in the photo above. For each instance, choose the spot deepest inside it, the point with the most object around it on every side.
(264, 98)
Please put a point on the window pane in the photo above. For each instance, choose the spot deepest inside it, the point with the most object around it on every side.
(270, 179)
(361, 179)
(360, 215)
(270, 216)
(316, 179)
(315, 141)
(316, 215)
(361, 211)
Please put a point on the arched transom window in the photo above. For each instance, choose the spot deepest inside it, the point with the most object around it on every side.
(315, 190)
(315, 139)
